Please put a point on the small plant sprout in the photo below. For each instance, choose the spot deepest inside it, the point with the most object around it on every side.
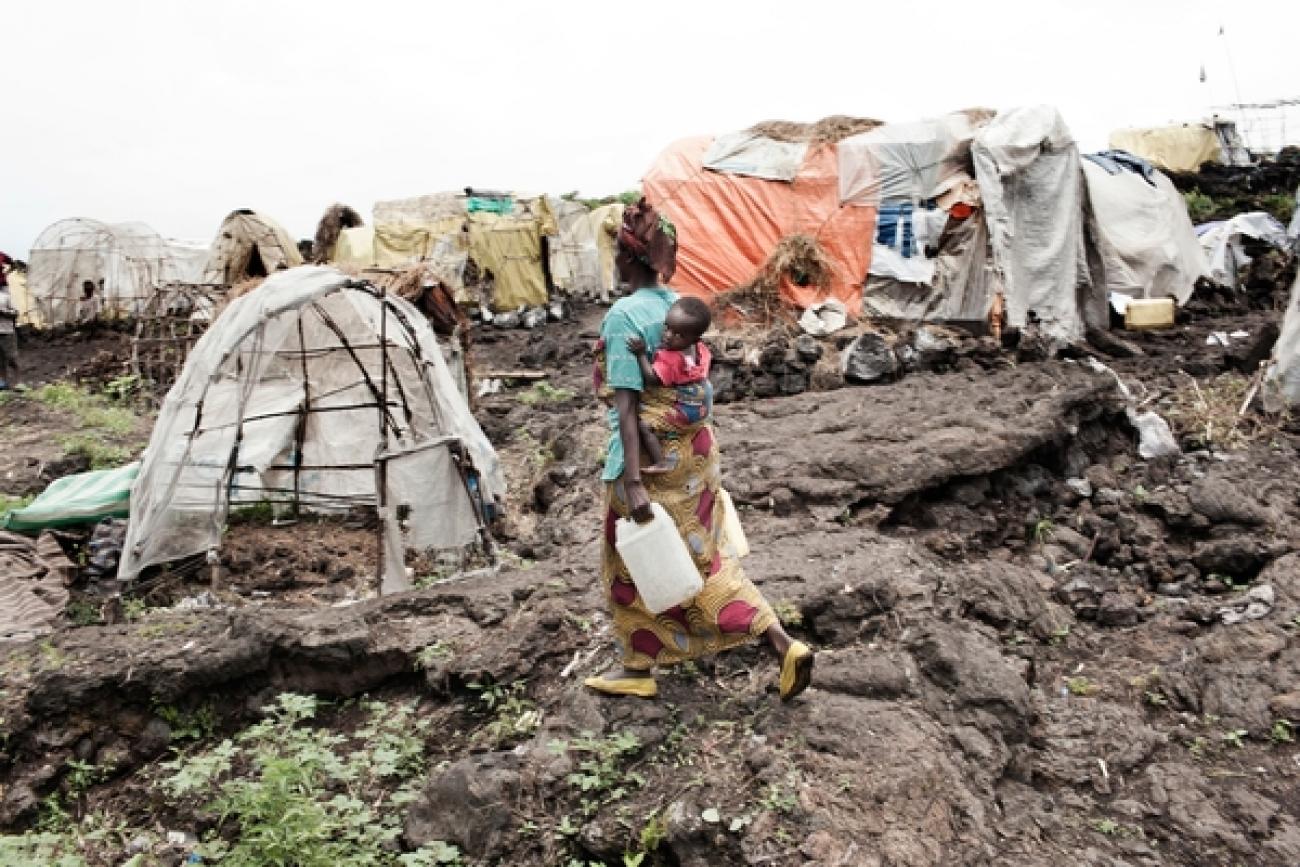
(1234, 737)
(788, 612)
(1283, 732)
(1109, 827)
(1081, 686)
(430, 655)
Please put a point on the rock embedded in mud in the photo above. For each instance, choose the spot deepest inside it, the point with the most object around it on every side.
(466, 805)
(1081, 488)
(1118, 609)
(18, 804)
(1240, 557)
(1075, 733)
(807, 348)
(1180, 793)
(869, 358)
(862, 672)
(1223, 502)
(974, 676)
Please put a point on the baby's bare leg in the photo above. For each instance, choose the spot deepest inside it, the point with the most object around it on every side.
(650, 445)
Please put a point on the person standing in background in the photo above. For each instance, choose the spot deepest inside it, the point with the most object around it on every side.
(8, 327)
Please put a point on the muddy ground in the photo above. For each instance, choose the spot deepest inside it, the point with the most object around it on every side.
(1034, 645)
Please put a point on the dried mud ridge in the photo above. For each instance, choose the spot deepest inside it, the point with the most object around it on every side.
(1024, 654)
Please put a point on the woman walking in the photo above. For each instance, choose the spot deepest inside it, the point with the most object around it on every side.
(729, 610)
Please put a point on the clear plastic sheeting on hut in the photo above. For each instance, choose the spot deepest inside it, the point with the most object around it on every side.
(304, 394)
(125, 263)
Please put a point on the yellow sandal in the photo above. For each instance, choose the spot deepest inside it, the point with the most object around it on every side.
(641, 687)
(796, 670)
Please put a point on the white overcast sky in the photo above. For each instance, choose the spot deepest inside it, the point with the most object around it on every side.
(174, 113)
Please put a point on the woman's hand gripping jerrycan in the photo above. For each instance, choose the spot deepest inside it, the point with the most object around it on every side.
(658, 560)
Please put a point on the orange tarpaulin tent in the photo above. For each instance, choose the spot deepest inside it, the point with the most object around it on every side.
(728, 224)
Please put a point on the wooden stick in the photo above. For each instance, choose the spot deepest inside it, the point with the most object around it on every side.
(512, 374)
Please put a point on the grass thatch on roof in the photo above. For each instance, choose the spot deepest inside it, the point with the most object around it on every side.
(337, 218)
(798, 258)
(828, 129)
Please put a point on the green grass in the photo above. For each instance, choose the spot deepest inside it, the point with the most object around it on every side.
(544, 392)
(99, 422)
(1279, 205)
(99, 454)
(1200, 207)
(8, 503)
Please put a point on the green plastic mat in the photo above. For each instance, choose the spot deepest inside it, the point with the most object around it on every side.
(80, 499)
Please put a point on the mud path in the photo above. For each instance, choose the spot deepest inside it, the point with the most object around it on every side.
(1035, 646)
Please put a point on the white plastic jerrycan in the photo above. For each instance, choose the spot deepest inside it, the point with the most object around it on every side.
(658, 560)
(733, 534)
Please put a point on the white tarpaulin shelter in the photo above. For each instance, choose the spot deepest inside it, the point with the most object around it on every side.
(1284, 371)
(248, 245)
(320, 392)
(1144, 237)
(130, 259)
(1027, 166)
(1223, 249)
(909, 162)
(574, 253)
(756, 156)
(913, 173)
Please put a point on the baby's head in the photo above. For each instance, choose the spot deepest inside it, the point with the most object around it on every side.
(685, 324)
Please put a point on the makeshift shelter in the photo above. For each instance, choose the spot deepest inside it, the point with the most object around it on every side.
(1138, 221)
(1284, 369)
(355, 248)
(573, 251)
(508, 247)
(500, 233)
(21, 296)
(1224, 246)
(315, 392)
(1184, 147)
(333, 222)
(249, 245)
(1031, 184)
(734, 199)
(605, 222)
(125, 262)
(929, 257)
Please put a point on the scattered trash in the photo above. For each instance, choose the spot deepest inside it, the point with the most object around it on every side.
(507, 320)
(533, 317)
(1082, 487)
(105, 547)
(1257, 602)
(1155, 439)
(826, 318)
(194, 603)
(488, 386)
(1147, 314)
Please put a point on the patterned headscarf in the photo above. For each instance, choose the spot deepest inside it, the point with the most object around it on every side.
(650, 238)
